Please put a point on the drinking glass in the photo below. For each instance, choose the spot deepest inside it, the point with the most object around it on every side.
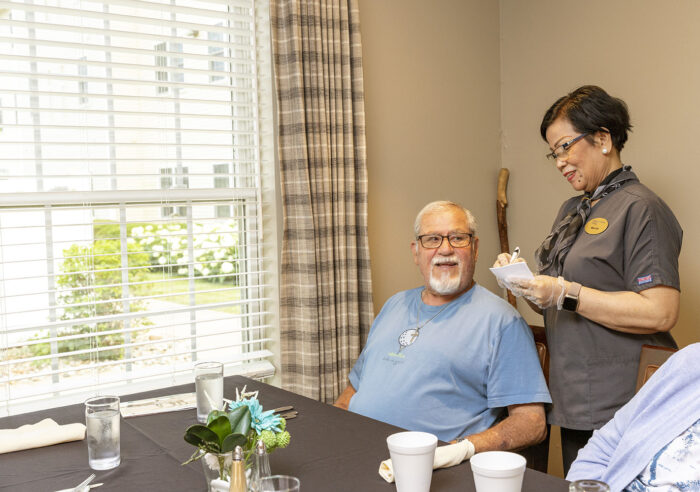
(209, 386)
(103, 439)
(588, 486)
(279, 483)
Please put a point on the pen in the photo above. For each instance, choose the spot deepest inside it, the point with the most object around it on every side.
(515, 255)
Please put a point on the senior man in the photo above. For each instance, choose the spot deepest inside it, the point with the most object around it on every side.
(451, 358)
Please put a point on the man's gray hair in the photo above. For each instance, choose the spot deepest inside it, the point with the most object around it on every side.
(440, 206)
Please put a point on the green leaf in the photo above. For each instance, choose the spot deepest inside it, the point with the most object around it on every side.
(202, 437)
(240, 420)
(231, 441)
(221, 426)
(215, 414)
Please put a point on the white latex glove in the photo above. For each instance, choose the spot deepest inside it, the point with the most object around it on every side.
(543, 290)
(445, 456)
(502, 260)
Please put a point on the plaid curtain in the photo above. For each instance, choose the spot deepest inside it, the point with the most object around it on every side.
(326, 291)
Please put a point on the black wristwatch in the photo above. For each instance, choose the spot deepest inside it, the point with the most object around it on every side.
(571, 298)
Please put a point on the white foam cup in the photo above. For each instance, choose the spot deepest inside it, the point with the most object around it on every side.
(412, 456)
(498, 471)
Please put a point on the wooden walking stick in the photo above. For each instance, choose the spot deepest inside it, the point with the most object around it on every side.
(501, 204)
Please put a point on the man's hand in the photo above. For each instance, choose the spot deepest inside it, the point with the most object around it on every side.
(343, 400)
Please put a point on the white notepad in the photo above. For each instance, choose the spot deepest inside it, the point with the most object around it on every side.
(512, 270)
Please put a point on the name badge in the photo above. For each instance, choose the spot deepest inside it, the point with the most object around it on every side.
(596, 226)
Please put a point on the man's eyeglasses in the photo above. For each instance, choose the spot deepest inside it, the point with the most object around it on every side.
(562, 151)
(434, 241)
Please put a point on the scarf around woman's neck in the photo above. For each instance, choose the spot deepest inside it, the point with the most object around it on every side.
(553, 250)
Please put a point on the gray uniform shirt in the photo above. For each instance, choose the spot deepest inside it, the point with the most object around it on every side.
(630, 242)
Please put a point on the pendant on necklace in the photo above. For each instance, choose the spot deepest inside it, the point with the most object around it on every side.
(407, 338)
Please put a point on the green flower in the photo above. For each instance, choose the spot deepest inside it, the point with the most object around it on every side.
(283, 439)
(269, 438)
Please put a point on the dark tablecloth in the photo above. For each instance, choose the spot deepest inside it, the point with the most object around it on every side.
(331, 450)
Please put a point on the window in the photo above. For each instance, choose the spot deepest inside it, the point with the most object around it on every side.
(117, 270)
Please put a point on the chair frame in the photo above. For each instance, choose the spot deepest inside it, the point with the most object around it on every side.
(650, 359)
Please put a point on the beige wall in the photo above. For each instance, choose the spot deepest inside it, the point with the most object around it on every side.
(433, 120)
(642, 51)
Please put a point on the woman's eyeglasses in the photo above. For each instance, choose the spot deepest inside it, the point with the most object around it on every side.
(562, 151)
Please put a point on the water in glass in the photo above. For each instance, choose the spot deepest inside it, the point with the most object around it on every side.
(209, 387)
(103, 437)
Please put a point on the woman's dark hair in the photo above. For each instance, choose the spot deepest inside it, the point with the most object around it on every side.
(590, 109)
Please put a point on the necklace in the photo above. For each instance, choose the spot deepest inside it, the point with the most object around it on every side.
(407, 337)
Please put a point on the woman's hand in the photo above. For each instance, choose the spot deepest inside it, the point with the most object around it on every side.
(502, 260)
(543, 290)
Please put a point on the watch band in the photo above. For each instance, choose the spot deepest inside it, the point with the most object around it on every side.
(571, 298)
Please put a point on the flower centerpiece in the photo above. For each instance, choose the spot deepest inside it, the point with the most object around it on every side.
(243, 425)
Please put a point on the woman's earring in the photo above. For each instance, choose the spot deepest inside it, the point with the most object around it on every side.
(605, 151)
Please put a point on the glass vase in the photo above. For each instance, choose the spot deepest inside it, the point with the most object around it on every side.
(219, 480)
(217, 469)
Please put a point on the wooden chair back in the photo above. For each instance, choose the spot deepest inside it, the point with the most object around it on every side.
(542, 349)
(650, 359)
(537, 456)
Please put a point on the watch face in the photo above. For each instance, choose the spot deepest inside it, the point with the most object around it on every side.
(408, 337)
(570, 303)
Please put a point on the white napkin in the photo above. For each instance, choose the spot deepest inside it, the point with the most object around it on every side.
(44, 433)
(445, 456)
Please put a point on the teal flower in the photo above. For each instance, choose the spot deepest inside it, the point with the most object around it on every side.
(259, 420)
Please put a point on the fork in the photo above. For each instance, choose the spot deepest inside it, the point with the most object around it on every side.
(82, 486)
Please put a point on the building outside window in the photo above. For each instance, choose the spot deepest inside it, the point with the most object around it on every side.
(217, 50)
(82, 83)
(161, 62)
(222, 180)
(174, 178)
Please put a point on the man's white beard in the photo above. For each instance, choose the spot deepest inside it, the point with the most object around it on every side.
(446, 284)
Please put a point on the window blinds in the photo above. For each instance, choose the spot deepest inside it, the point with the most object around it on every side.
(135, 137)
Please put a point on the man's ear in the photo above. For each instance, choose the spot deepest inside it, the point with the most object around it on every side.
(475, 247)
(414, 250)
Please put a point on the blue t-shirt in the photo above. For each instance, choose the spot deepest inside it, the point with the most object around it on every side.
(474, 358)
